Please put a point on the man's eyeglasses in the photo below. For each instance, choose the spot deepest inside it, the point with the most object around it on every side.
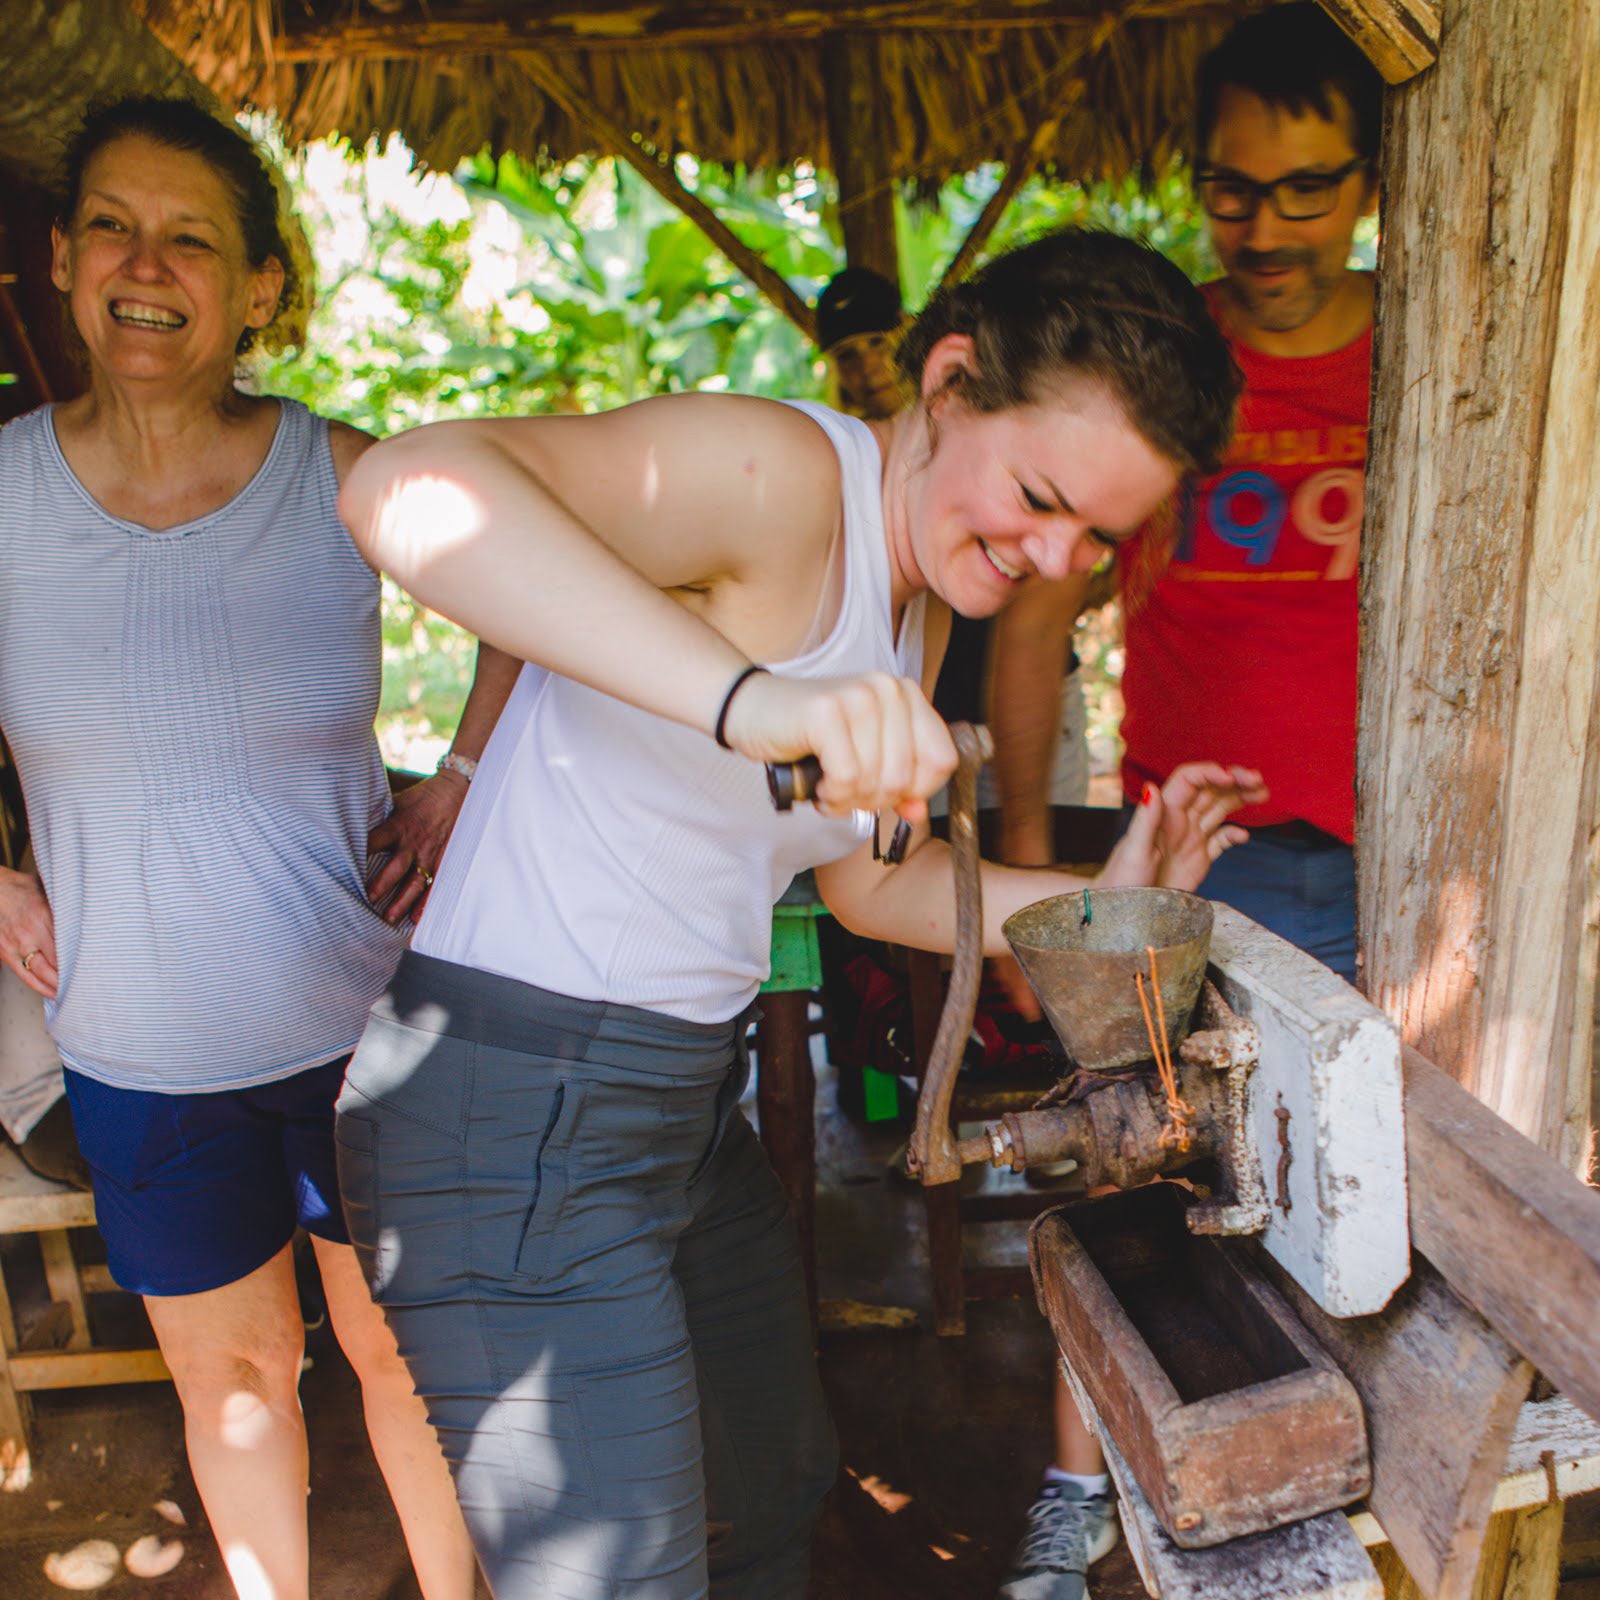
(1298, 197)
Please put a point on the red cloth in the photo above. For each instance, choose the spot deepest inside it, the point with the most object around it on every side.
(1244, 649)
(881, 1037)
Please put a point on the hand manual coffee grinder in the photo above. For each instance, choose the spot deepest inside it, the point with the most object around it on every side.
(1202, 1046)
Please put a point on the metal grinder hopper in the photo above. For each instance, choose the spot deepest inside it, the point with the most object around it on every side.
(1083, 953)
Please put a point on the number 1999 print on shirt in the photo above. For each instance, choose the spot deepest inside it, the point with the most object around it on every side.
(1249, 509)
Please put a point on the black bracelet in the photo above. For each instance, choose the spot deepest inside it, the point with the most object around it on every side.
(727, 700)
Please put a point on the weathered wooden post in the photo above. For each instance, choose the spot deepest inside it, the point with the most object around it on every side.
(1479, 766)
(858, 145)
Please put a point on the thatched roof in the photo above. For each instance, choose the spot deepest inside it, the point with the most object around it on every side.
(960, 82)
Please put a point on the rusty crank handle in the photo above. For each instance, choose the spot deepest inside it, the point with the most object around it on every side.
(933, 1155)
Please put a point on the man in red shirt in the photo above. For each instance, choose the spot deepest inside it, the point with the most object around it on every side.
(1245, 644)
(1241, 628)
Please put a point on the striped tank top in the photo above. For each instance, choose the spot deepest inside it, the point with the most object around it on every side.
(191, 714)
(610, 854)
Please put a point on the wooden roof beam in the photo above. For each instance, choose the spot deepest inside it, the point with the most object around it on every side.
(616, 141)
(484, 29)
(1399, 37)
(1019, 169)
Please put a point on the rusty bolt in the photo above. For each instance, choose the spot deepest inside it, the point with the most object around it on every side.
(1187, 1521)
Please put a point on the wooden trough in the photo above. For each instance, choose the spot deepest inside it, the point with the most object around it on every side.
(1235, 1419)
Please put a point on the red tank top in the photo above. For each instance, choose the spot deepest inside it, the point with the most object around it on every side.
(1243, 649)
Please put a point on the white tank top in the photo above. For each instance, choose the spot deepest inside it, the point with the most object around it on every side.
(609, 854)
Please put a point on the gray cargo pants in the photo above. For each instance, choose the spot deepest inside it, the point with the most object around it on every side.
(594, 1280)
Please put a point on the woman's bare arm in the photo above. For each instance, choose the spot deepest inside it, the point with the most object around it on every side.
(650, 553)
(589, 544)
(1172, 840)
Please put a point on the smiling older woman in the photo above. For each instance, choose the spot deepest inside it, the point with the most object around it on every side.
(622, 1354)
(189, 660)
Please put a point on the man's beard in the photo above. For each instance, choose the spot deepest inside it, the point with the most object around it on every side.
(1292, 306)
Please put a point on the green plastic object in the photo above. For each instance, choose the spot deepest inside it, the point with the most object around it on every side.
(880, 1095)
(796, 957)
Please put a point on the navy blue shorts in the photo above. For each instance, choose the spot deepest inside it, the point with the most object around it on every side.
(194, 1191)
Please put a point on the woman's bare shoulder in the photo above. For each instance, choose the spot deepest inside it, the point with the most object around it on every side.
(745, 432)
(347, 445)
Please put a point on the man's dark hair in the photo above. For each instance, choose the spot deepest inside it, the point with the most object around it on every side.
(1297, 58)
(180, 124)
(1084, 304)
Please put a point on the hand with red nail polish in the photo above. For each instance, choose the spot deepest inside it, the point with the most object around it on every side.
(1178, 830)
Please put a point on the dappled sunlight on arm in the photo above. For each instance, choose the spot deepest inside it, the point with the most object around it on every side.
(424, 517)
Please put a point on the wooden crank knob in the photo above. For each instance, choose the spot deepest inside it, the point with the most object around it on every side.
(789, 781)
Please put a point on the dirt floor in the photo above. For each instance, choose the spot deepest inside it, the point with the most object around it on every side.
(942, 1441)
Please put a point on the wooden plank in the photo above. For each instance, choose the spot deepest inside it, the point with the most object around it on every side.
(80, 1369)
(1555, 1450)
(1442, 1392)
(1318, 1559)
(96, 1279)
(1554, 1443)
(1399, 37)
(16, 1410)
(30, 1204)
(604, 25)
(1513, 1232)
(61, 1275)
(1331, 1062)
(617, 142)
(1479, 776)
(1397, 1582)
(14, 337)
(1522, 1555)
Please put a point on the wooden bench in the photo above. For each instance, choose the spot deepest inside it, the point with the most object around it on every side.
(57, 1352)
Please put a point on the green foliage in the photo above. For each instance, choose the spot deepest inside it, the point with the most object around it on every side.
(639, 301)
(1160, 210)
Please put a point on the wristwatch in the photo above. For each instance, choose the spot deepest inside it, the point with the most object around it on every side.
(451, 762)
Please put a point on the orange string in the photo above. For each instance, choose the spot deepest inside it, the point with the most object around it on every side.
(1176, 1134)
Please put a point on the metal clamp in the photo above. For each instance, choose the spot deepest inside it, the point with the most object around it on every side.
(1230, 1044)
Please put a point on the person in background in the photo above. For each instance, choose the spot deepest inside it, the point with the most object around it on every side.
(1241, 635)
(859, 323)
(700, 583)
(189, 671)
(1257, 608)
